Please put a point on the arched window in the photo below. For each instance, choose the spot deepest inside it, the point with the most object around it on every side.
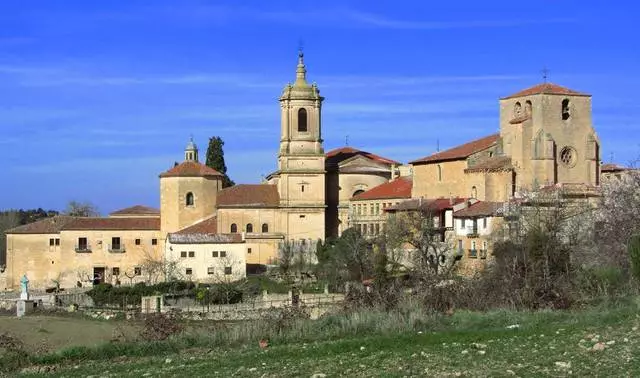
(528, 108)
(357, 192)
(302, 120)
(439, 168)
(565, 109)
(189, 199)
(517, 110)
(474, 192)
(265, 228)
(234, 228)
(249, 227)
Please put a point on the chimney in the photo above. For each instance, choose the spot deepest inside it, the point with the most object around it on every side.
(450, 199)
(393, 172)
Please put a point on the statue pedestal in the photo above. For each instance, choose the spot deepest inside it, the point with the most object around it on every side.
(23, 307)
(24, 296)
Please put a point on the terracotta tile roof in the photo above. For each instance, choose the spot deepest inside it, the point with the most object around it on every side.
(398, 188)
(207, 226)
(205, 232)
(425, 204)
(245, 195)
(546, 88)
(125, 223)
(137, 210)
(611, 167)
(479, 209)
(343, 153)
(51, 225)
(460, 152)
(177, 238)
(190, 169)
(496, 163)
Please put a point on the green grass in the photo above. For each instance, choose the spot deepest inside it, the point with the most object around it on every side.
(378, 344)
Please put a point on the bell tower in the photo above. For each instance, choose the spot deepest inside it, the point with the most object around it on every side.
(301, 155)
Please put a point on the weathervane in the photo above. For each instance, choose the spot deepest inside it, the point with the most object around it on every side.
(346, 140)
(545, 74)
(300, 45)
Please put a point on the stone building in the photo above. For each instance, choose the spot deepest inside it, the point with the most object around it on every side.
(545, 139)
(78, 252)
(368, 209)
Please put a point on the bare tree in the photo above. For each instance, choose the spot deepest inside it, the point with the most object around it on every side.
(418, 234)
(158, 268)
(81, 209)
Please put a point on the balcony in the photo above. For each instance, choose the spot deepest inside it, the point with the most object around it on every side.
(116, 248)
(83, 248)
(483, 254)
(473, 253)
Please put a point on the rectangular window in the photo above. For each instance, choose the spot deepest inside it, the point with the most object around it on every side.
(137, 241)
(183, 253)
(115, 244)
(51, 242)
(223, 253)
(154, 241)
(115, 271)
(484, 222)
(57, 241)
(377, 228)
(214, 254)
(462, 224)
(227, 270)
(211, 270)
(249, 250)
(189, 271)
(137, 271)
(377, 208)
(83, 245)
(192, 254)
(371, 209)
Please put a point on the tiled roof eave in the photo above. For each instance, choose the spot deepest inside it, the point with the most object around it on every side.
(577, 94)
(500, 169)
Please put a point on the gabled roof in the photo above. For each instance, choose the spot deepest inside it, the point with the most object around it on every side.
(65, 223)
(398, 188)
(191, 169)
(51, 225)
(249, 195)
(424, 204)
(495, 163)
(136, 210)
(124, 223)
(207, 226)
(204, 232)
(546, 88)
(343, 153)
(612, 167)
(460, 152)
(480, 209)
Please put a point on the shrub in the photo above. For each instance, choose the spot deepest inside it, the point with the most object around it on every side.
(634, 255)
(158, 326)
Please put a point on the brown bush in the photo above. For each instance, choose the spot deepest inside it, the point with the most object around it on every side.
(160, 327)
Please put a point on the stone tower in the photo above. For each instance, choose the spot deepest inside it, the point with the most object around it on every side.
(188, 192)
(301, 183)
(548, 133)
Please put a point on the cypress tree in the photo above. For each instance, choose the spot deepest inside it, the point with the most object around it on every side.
(215, 160)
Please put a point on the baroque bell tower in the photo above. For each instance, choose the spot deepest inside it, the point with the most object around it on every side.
(301, 183)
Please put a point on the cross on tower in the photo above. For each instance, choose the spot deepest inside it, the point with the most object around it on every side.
(346, 140)
(545, 74)
(300, 45)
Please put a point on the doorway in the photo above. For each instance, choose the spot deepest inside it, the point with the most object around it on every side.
(98, 276)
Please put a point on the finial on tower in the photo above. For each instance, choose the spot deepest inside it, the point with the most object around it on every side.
(301, 71)
(545, 74)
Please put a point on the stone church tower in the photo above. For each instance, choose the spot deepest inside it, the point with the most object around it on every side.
(188, 192)
(301, 183)
(548, 133)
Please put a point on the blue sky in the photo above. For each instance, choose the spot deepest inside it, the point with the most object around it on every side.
(98, 98)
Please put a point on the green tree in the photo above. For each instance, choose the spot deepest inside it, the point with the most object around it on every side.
(215, 159)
